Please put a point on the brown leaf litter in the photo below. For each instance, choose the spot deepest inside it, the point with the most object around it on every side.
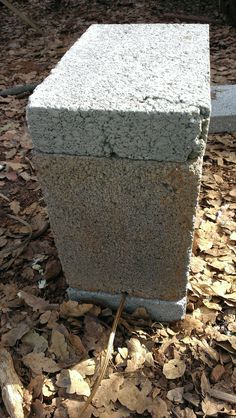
(52, 349)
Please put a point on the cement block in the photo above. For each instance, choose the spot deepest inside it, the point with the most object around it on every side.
(223, 117)
(130, 91)
(122, 225)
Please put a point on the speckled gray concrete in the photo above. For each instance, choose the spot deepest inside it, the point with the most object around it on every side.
(131, 91)
(122, 225)
(223, 117)
(164, 311)
(119, 131)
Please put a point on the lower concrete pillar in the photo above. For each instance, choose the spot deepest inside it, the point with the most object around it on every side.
(119, 131)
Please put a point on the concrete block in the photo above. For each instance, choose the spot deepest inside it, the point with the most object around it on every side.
(223, 117)
(122, 225)
(119, 131)
(131, 91)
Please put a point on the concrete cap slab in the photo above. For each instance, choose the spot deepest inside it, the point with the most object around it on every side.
(137, 91)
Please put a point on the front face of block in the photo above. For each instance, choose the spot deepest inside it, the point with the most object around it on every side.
(122, 225)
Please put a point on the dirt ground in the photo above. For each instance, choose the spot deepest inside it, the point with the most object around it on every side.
(185, 369)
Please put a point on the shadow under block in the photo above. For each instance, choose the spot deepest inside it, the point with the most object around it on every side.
(122, 225)
(119, 130)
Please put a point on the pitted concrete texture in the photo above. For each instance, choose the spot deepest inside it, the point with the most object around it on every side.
(122, 225)
(138, 91)
(223, 117)
(158, 310)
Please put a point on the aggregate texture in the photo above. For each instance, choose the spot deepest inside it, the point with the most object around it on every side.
(165, 311)
(122, 225)
(223, 118)
(137, 91)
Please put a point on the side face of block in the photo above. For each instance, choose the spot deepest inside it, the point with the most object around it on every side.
(122, 225)
(130, 91)
(223, 118)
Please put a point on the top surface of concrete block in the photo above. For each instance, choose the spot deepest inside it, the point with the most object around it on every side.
(137, 91)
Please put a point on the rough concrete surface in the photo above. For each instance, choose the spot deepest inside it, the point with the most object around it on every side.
(158, 310)
(131, 91)
(223, 117)
(120, 224)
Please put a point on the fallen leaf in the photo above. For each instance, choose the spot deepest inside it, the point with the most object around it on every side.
(108, 390)
(158, 409)
(48, 388)
(73, 382)
(15, 334)
(38, 304)
(74, 309)
(139, 355)
(74, 409)
(59, 346)
(37, 362)
(211, 407)
(15, 207)
(135, 399)
(85, 367)
(217, 373)
(174, 369)
(176, 395)
(37, 342)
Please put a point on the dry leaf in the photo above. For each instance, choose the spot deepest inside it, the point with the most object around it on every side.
(15, 334)
(73, 382)
(74, 409)
(11, 386)
(74, 309)
(48, 388)
(211, 406)
(37, 342)
(38, 304)
(59, 346)
(176, 395)
(135, 399)
(76, 343)
(35, 386)
(108, 390)
(174, 369)
(139, 355)
(123, 351)
(158, 409)
(37, 362)
(85, 367)
(15, 207)
(217, 373)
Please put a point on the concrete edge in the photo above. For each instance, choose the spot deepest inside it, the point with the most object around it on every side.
(159, 310)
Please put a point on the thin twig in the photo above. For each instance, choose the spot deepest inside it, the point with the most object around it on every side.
(108, 355)
(10, 6)
(224, 396)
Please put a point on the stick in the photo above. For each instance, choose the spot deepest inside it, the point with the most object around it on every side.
(28, 88)
(21, 15)
(224, 396)
(12, 388)
(108, 355)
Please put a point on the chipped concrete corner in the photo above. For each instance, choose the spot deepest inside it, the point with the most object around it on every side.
(119, 131)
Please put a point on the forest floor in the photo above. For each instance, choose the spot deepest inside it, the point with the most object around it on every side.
(185, 369)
